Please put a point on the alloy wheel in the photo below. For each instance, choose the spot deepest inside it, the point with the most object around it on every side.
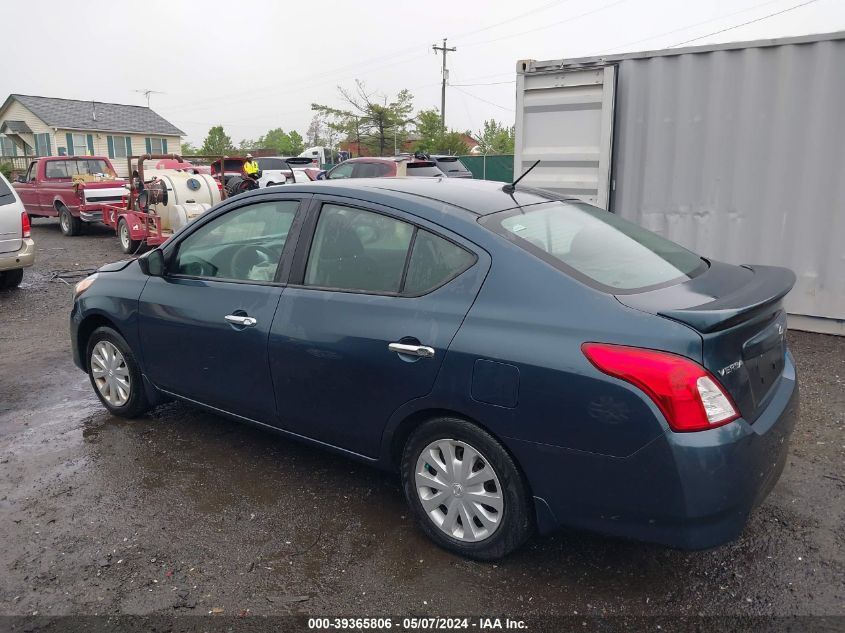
(110, 373)
(124, 236)
(459, 490)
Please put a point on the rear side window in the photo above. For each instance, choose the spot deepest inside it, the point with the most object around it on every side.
(597, 247)
(371, 170)
(434, 261)
(363, 251)
(6, 196)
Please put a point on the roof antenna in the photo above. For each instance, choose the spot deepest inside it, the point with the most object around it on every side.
(512, 186)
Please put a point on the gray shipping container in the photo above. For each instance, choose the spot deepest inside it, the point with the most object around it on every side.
(736, 151)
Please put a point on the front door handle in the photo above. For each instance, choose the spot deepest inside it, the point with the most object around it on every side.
(423, 351)
(237, 319)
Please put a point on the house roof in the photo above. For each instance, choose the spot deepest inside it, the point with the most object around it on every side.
(110, 117)
(15, 127)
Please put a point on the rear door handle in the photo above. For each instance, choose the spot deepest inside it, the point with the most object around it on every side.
(423, 351)
(237, 319)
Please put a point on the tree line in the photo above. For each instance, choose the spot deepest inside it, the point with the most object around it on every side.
(376, 123)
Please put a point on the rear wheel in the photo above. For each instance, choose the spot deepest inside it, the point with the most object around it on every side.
(70, 225)
(465, 490)
(115, 374)
(127, 244)
(11, 278)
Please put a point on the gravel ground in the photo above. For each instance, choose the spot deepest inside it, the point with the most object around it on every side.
(183, 512)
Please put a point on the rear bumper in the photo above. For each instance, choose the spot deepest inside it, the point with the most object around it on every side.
(686, 490)
(22, 258)
(91, 213)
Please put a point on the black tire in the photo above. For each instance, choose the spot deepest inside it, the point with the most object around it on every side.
(127, 244)
(69, 225)
(137, 403)
(516, 523)
(11, 278)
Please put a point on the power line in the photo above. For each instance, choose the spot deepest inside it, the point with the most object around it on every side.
(307, 81)
(731, 28)
(547, 26)
(685, 28)
(469, 94)
(492, 83)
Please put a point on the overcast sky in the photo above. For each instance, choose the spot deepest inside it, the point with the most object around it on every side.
(257, 68)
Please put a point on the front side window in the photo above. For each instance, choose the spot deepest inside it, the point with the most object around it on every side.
(244, 245)
(32, 172)
(80, 145)
(596, 246)
(342, 171)
(354, 249)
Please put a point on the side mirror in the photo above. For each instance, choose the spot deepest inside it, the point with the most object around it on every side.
(21, 179)
(322, 175)
(153, 263)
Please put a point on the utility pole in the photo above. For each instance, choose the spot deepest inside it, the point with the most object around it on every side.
(443, 50)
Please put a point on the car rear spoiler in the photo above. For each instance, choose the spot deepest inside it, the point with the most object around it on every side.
(298, 160)
(765, 290)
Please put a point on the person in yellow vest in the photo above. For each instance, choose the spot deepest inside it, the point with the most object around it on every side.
(251, 167)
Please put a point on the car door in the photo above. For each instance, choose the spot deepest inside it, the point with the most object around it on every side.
(374, 300)
(204, 324)
(28, 190)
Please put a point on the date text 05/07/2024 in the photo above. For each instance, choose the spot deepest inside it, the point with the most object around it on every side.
(417, 623)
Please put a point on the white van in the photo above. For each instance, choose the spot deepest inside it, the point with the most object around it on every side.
(17, 250)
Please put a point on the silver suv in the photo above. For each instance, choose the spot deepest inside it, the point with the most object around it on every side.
(17, 250)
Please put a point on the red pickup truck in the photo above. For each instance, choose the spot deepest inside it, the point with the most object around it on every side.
(53, 187)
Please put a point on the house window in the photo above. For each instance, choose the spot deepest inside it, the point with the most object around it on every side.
(80, 145)
(157, 145)
(7, 147)
(42, 145)
(121, 146)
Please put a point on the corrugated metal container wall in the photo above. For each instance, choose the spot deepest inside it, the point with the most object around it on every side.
(740, 156)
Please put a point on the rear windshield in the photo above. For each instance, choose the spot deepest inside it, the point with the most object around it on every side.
(451, 164)
(420, 169)
(80, 167)
(597, 247)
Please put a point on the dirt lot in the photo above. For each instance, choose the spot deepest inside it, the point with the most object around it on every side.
(184, 512)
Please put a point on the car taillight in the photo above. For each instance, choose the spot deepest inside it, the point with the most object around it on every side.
(25, 227)
(688, 395)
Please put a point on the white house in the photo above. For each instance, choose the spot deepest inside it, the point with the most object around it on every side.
(45, 126)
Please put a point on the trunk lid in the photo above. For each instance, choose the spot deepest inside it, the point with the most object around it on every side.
(11, 232)
(738, 312)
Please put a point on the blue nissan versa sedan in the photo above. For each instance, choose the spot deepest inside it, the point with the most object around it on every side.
(525, 361)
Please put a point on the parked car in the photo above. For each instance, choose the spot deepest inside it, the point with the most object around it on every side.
(280, 170)
(524, 361)
(75, 188)
(451, 166)
(17, 250)
(377, 167)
